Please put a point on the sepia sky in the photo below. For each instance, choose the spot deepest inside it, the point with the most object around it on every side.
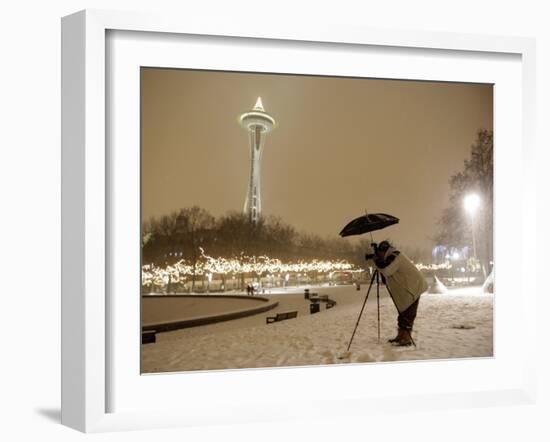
(342, 146)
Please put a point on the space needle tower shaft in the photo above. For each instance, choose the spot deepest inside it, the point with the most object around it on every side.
(258, 124)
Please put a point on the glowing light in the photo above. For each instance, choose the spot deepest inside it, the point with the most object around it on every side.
(257, 118)
(259, 105)
(438, 250)
(209, 266)
(472, 203)
(433, 267)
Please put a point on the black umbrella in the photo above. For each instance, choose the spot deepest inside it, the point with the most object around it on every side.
(368, 223)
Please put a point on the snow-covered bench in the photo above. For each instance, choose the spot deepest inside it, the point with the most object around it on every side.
(330, 303)
(323, 298)
(281, 317)
(308, 295)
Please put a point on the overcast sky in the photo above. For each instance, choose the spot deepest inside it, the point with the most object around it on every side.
(342, 146)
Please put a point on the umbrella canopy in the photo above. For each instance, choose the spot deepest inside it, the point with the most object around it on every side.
(368, 223)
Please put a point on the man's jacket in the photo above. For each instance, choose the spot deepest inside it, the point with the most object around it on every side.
(404, 281)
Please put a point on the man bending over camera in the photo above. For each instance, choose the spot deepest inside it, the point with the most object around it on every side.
(405, 284)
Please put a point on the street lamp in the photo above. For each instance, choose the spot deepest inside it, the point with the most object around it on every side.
(471, 204)
(448, 258)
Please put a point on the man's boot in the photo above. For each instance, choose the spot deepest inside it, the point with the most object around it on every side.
(398, 337)
(405, 339)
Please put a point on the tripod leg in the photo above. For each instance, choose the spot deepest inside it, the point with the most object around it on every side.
(375, 275)
(412, 340)
(378, 303)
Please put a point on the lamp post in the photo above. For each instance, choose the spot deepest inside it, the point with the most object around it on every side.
(471, 204)
(448, 258)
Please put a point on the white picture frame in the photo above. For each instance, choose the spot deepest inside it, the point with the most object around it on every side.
(87, 356)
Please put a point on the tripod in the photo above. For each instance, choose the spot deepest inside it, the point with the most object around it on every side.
(375, 276)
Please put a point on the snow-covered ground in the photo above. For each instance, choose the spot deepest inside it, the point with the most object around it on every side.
(161, 309)
(457, 324)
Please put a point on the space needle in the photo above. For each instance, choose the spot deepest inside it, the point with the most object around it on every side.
(258, 123)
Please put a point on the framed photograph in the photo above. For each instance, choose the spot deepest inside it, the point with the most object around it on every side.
(324, 213)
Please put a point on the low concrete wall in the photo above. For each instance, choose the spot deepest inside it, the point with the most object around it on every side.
(194, 322)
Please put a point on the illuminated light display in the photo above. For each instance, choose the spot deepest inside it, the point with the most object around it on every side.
(259, 266)
(182, 270)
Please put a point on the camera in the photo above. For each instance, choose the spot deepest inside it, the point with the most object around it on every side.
(369, 256)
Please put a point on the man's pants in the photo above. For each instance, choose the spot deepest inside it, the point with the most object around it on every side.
(405, 320)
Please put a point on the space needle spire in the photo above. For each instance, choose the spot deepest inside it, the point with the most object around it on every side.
(258, 123)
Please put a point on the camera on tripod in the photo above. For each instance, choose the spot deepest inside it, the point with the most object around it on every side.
(370, 256)
(382, 247)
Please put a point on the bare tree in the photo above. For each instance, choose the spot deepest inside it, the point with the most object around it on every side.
(455, 228)
(194, 229)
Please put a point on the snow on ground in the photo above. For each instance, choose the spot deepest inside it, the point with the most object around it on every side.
(458, 324)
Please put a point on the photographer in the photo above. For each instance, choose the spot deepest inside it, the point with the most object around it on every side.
(405, 284)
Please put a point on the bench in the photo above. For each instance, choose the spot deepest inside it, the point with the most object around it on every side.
(149, 337)
(330, 303)
(308, 295)
(280, 317)
(323, 298)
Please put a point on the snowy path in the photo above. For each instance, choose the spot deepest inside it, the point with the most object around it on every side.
(458, 324)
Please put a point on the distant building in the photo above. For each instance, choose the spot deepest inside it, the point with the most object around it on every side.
(258, 123)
